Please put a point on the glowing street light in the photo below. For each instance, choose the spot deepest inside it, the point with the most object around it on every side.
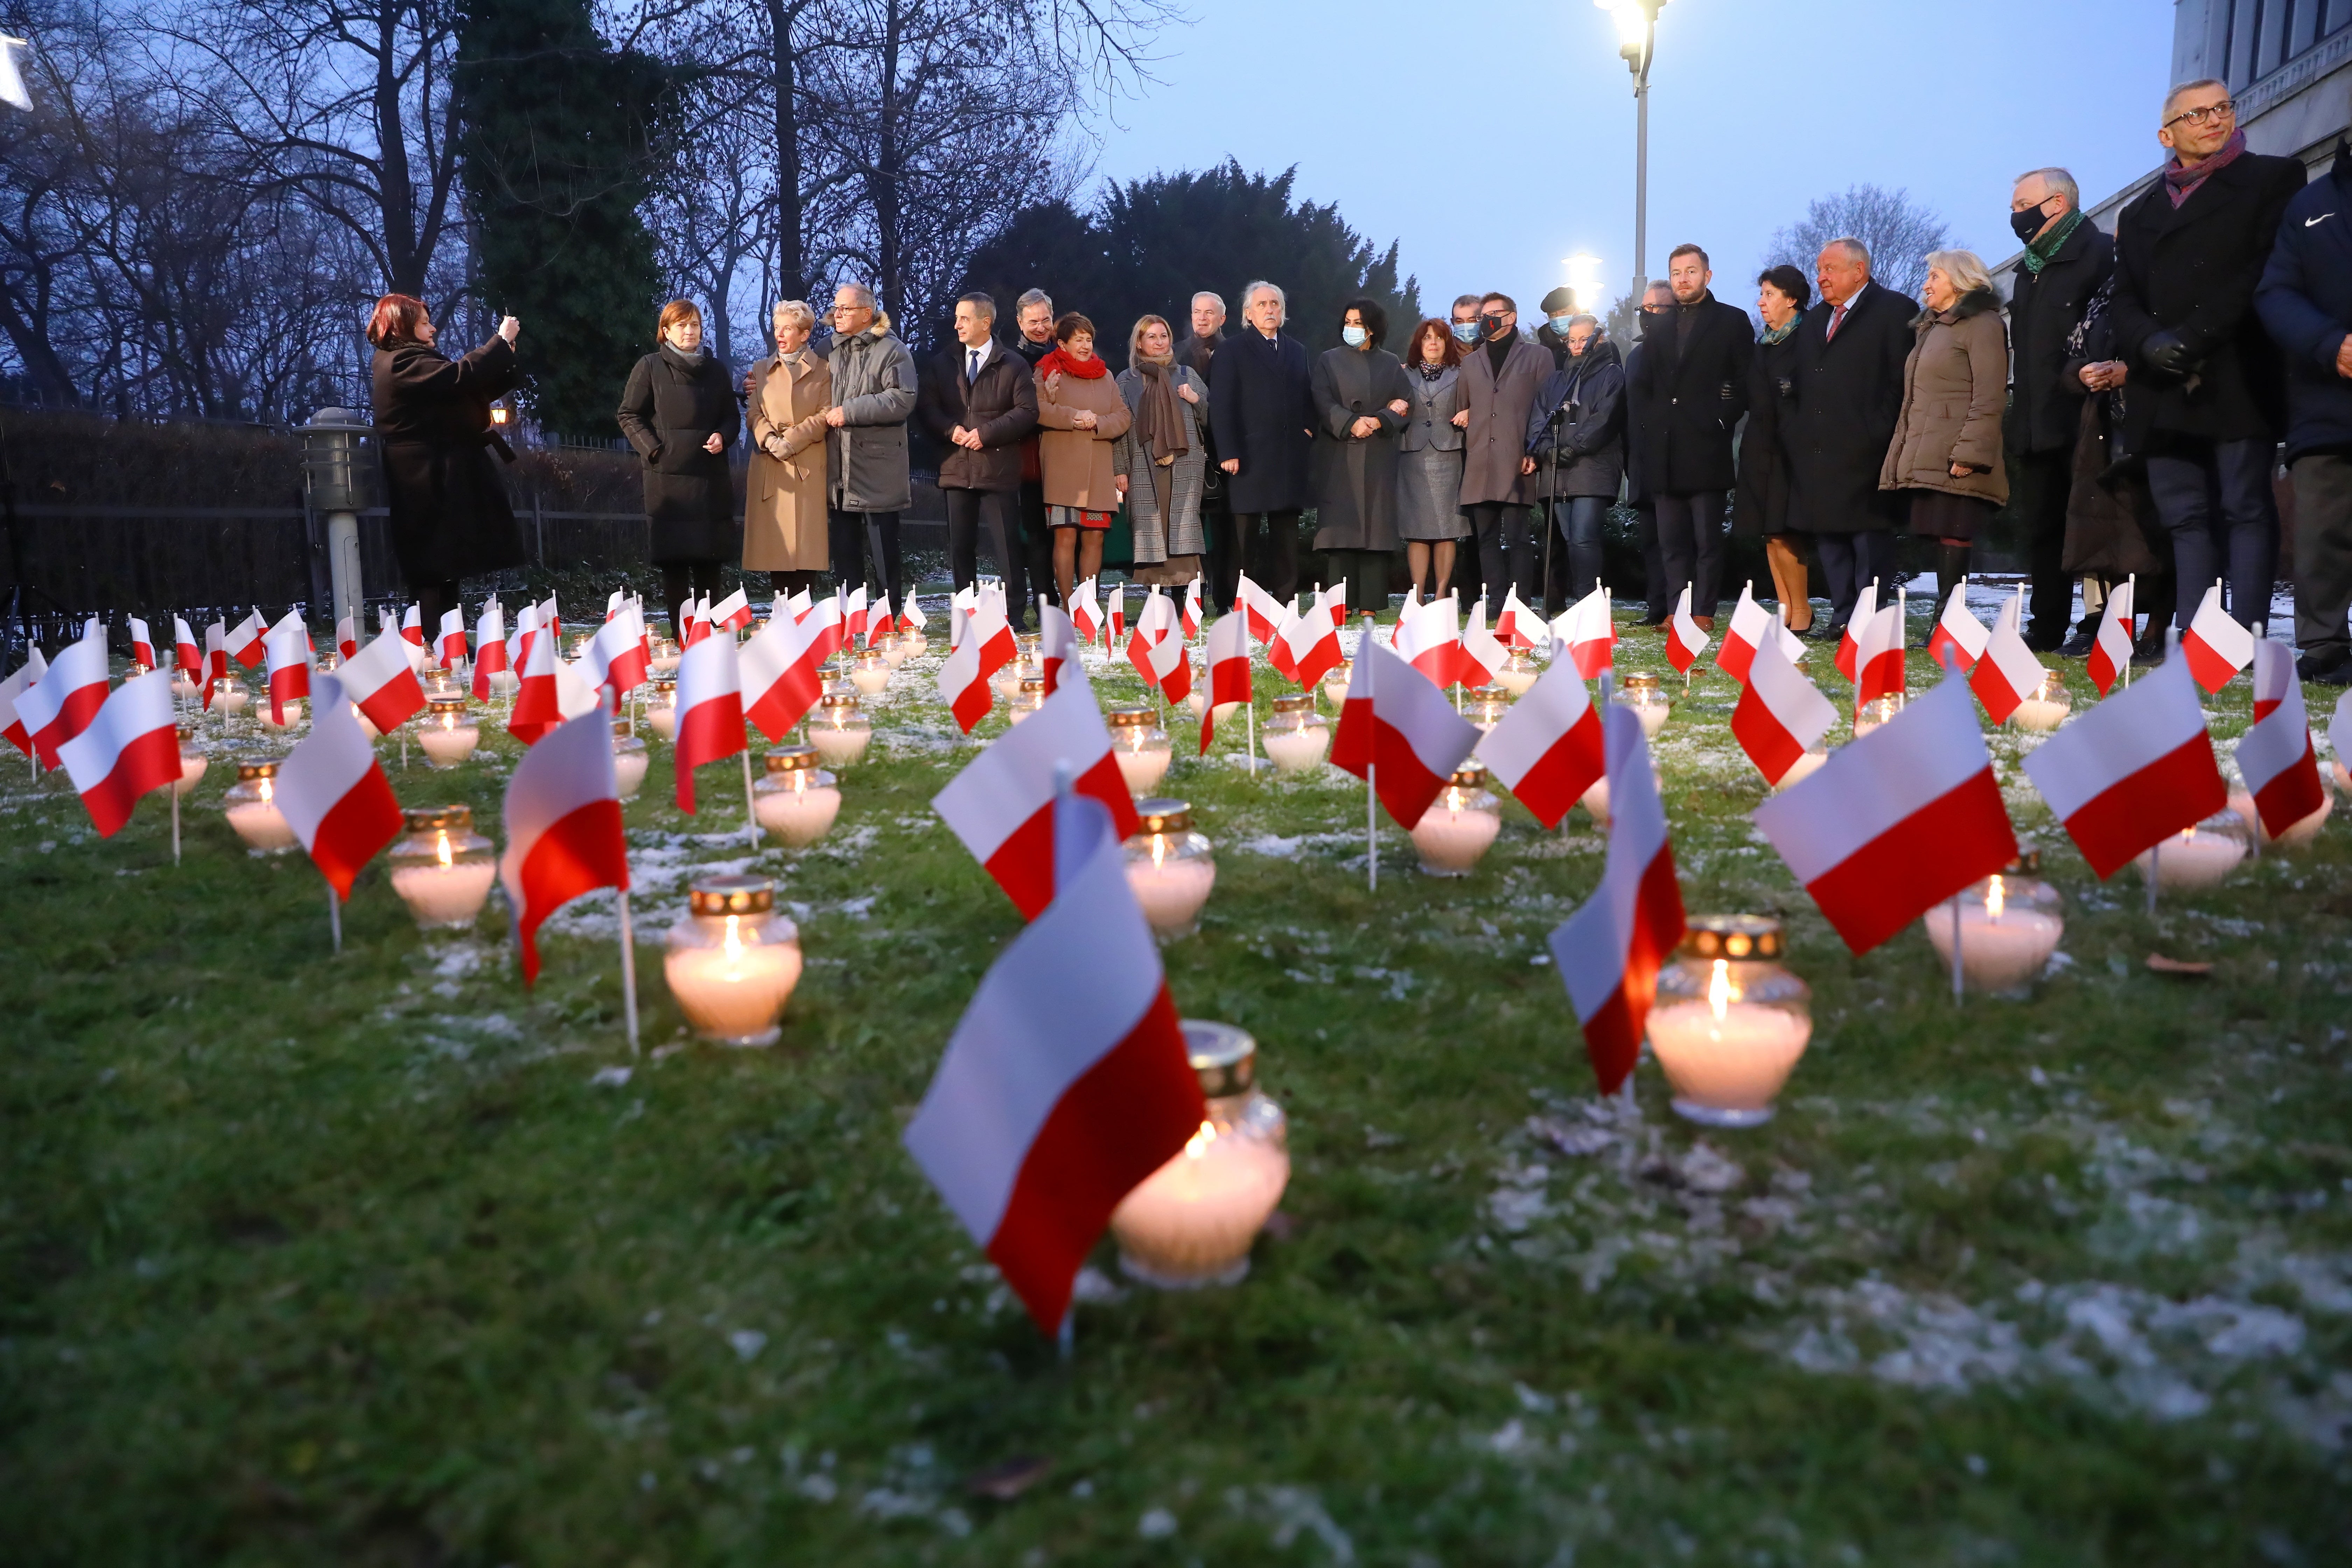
(1583, 277)
(1637, 35)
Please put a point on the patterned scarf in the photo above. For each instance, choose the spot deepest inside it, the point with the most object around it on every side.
(1774, 334)
(2038, 252)
(2182, 182)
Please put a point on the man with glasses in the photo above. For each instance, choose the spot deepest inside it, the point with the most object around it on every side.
(1500, 379)
(2208, 386)
(874, 391)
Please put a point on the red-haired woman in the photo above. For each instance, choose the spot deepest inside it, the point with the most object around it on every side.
(1429, 458)
(450, 518)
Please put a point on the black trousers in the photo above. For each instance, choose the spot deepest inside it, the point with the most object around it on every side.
(1268, 542)
(2322, 555)
(1850, 561)
(1036, 543)
(1657, 604)
(682, 579)
(784, 585)
(1224, 561)
(1690, 547)
(2044, 479)
(434, 600)
(1507, 552)
(2214, 498)
(851, 534)
(972, 514)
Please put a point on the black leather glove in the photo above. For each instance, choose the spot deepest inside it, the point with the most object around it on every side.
(2164, 352)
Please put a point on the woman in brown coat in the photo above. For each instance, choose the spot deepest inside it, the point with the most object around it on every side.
(1080, 417)
(1946, 447)
(784, 504)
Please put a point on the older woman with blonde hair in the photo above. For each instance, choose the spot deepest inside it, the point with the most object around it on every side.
(784, 520)
(1947, 450)
(1163, 455)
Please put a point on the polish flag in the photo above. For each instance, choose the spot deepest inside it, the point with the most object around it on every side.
(1959, 639)
(732, 613)
(1147, 634)
(216, 657)
(1117, 617)
(1067, 1084)
(1610, 950)
(878, 621)
(1896, 822)
(1266, 613)
(1397, 730)
(412, 625)
(452, 641)
(985, 648)
(797, 605)
(2276, 757)
(781, 675)
(1308, 647)
(1002, 805)
(1685, 640)
(333, 792)
(129, 748)
(855, 614)
(489, 649)
(910, 615)
(2217, 646)
(1193, 609)
(1748, 629)
(1429, 638)
(2133, 770)
(552, 619)
(1086, 615)
(243, 640)
(381, 680)
(613, 601)
(710, 711)
(1879, 657)
(347, 637)
(563, 817)
(185, 654)
(2008, 673)
(961, 605)
(1511, 622)
(288, 647)
(2111, 650)
(1590, 633)
(1780, 713)
(142, 646)
(616, 656)
(1229, 669)
(1482, 653)
(62, 702)
(1849, 653)
(1057, 646)
(1170, 670)
(538, 708)
(1547, 749)
(827, 634)
(21, 680)
(1334, 599)
(691, 627)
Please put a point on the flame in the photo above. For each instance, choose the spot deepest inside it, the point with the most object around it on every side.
(1994, 898)
(1158, 850)
(1453, 798)
(799, 786)
(1718, 990)
(448, 721)
(441, 848)
(1198, 1144)
(266, 790)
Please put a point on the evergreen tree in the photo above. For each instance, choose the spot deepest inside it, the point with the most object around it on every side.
(555, 133)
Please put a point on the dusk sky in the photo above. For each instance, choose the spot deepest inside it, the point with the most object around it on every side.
(1495, 137)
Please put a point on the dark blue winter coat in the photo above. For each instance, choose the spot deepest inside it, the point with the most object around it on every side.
(2305, 301)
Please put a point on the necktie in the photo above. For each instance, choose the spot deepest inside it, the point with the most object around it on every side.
(1837, 320)
(971, 368)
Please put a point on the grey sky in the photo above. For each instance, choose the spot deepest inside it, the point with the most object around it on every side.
(1495, 137)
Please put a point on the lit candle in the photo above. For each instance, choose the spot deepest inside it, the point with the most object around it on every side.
(184, 689)
(2297, 834)
(732, 962)
(2039, 714)
(1335, 683)
(1140, 748)
(291, 707)
(1485, 706)
(1028, 700)
(443, 869)
(229, 697)
(629, 760)
(839, 732)
(1876, 711)
(1729, 1023)
(1645, 694)
(447, 735)
(661, 714)
(505, 681)
(193, 761)
(1192, 1222)
(1454, 833)
(1596, 798)
(871, 673)
(253, 810)
(1170, 868)
(665, 657)
(894, 649)
(1520, 672)
(2005, 943)
(1803, 767)
(2197, 857)
(797, 801)
(1298, 750)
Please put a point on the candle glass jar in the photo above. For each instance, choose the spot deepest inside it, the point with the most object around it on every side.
(2297, 834)
(664, 656)
(1808, 763)
(289, 715)
(1140, 748)
(1196, 699)
(440, 685)
(795, 800)
(1876, 711)
(252, 808)
(1727, 1023)
(1170, 867)
(445, 731)
(2009, 923)
(2046, 707)
(441, 868)
(2200, 856)
(1519, 672)
(229, 697)
(838, 731)
(1335, 682)
(871, 672)
(185, 690)
(732, 962)
(892, 648)
(1595, 798)
(1460, 825)
(1192, 1222)
(1028, 700)
(661, 713)
(1297, 738)
(194, 760)
(629, 760)
(1485, 706)
(1645, 694)
(1006, 682)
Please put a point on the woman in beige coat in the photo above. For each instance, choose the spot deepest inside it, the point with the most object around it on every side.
(1946, 445)
(1080, 418)
(783, 499)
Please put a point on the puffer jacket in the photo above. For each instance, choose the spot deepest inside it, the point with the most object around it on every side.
(1955, 388)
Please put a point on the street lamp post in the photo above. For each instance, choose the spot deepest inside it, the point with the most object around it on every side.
(1637, 35)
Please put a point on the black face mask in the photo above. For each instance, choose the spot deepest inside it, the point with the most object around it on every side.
(1492, 325)
(2027, 223)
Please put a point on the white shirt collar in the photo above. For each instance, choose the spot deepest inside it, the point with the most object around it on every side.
(986, 350)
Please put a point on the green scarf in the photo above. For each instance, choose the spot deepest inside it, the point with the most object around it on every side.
(2038, 252)
(1774, 334)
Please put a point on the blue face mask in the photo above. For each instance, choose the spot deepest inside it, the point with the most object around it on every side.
(1465, 332)
(1559, 324)
(1353, 336)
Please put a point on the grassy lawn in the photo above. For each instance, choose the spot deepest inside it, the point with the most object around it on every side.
(380, 1259)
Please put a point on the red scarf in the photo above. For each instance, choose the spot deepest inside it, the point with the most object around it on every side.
(1091, 368)
(2181, 184)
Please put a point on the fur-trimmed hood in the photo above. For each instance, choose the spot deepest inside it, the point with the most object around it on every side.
(1975, 302)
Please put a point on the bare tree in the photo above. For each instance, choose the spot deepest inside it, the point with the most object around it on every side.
(1897, 231)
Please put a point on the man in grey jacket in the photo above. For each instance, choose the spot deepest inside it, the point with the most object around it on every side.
(865, 472)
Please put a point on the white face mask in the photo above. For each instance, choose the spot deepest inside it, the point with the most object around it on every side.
(1353, 336)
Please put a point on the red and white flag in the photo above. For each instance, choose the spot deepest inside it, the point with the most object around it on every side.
(1896, 822)
(2008, 673)
(128, 747)
(1482, 653)
(2111, 650)
(1057, 646)
(243, 640)
(489, 649)
(62, 702)
(985, 648)
(1610, 950)
(613, 601)
(1959, 639)
(1547, 749)
(288, 648)
(1397, 730)
(333, 792)
(781, 677)
(1428, 637)
(20, 681)
(538, 706)
(142, 646)
(1265, 612)
(1229, 669)
(1849, 653)
(710, 711)
(1780, 714)
(412, 625)
(1512, 621)
(691, 627)
(1155, 625)
(1308, 647)
(732, 613)
(1167, 666)
(564, 838)
(186, 653)
(796, 606)
(615, 657)
(2276, 757)
(878, 621)
(1086, 615)
(380, 680)
(1116, 608)
(2133, 770)
(1067, 1084)
(347, 637)
(551, 619)
(1749, 629)
(827, 633)
(216, 657)
(910, 614)
(1685, 640)
(1879, 655)
(1002, 805)
(1193, 609)
(452, 641)
(1590, 633)
(855, 614)
(2217, 646)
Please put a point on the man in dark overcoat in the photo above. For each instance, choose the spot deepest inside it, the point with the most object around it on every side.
(1261, 417)
(1684, 404)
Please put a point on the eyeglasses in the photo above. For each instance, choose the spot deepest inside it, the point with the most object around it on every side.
(2222, 111)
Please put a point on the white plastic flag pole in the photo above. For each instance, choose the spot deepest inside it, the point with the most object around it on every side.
(1371, 768)
(2131, 592)
(335, 917)
(175, 826)
(628, 973)
(751, 814)
(1956, 950)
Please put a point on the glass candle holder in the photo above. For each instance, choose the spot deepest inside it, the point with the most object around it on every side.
(1486, 705)
(1170, 867)
(441, 868)
(446, 732)
(1727, 1023)
(1876, 711)
(1296, 737)
(629, 760)
(505, 682)
(1460, 825)
(795, 800)
(912, 642)
(1006, 682)
(291, 709)
(194, 760)
(1192, 1222)
(1140, 748)
(664, 661)
(1030, 698)
(732, 962)
(1335, 681)
(2297, 834)
(1196, 700)
(892, 648)
(440, 685)
(1807, 765)
(252, 807)
(1595, 798)
(1519, 672)
(2009, 923)
(2046, 708)
(1645, 694)
(661, 713)
(871, 672)
(2198, 858)
(185, 690)
(229, 697)
(838, 731)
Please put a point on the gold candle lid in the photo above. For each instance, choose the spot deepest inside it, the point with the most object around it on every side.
(732, 896)
(1471, 775)
(267, 768)
(869, 656)
(844, 700)
(1642, 680)
(1035, 683)
(446, 705)
(620, 728)
(1158, 815)
(1224, 1056)
(187, 732)
(1488, 694)
(444, 819)
(1731, 936)
(2028, 862)
(1129, 717)
(1295, 702)
(793, 759)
